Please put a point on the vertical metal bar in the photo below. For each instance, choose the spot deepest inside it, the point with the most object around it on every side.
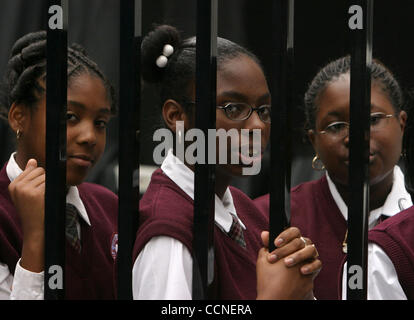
(55, 193)
(206, 65)
(360, 109)
(281, 88)
(129, 110)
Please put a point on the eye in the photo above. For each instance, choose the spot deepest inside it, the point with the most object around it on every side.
(376, 118)
(101, 124)
(265, 110)
(234, 108)
(237, 110)
(336, 127)
(71, 117)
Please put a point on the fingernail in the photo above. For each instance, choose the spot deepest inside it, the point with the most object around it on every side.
(272, 258)
(289, 261)
(305, 270)
(278, 242)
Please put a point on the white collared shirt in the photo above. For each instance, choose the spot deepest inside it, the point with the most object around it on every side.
(28, 285)
(382, 278)
(163, 269)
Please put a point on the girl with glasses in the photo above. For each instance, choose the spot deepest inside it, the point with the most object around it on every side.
(319, 208)
(163, 248)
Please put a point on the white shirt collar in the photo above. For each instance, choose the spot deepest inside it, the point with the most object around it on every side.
(178, 172)
(13, 171)
(397, 200)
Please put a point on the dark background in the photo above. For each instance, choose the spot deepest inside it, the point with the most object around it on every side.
(320, 36)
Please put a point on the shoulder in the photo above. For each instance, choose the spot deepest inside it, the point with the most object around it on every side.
(165, 210)
(395, 233)
(309, 186)
(164, 199)
(402, 223)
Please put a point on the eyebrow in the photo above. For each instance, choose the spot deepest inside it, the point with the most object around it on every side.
(83, 107)
(333, 114)
(376, 106)
(241, 96)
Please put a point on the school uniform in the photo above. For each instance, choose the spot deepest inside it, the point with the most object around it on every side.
(395, 237)
(163, 248)
(318, 210)
(90, 273)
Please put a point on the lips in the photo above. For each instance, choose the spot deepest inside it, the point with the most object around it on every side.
(82, 160)
(372, 156)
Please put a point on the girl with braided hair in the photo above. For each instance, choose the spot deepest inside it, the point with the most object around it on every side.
(319, 208)
(91, 209)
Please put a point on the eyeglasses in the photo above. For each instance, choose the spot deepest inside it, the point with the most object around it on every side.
(340, 129)
(239, 111)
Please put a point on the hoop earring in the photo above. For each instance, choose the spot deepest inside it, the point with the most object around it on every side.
(18, 134)
(314, 161)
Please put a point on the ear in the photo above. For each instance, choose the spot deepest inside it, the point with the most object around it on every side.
(403, 120)
(172, 111)
(311, 137)
(18, 115)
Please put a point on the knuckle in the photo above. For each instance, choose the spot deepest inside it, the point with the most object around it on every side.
(295, 231)
(298, 243)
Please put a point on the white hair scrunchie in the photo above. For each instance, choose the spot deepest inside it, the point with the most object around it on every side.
(162, 60)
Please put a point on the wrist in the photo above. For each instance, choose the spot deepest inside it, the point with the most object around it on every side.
(33, 253)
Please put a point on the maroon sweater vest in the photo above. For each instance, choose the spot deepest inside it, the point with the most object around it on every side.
(315, 213)
(168, 211)
(396, 237)
(90, 274)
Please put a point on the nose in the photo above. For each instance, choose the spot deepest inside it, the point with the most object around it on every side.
(87, 134)
(346, 140)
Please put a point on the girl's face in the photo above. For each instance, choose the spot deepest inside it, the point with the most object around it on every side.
(385, 144)
(241, 80)
(88, 112)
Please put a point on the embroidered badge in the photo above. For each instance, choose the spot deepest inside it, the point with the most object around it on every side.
(114, 245)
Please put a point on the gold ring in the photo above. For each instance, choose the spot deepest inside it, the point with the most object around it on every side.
(317, 253)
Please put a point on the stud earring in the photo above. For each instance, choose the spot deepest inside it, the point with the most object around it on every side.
(18, 134)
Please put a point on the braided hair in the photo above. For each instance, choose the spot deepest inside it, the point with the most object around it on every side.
(333, 71)
(174, 80)
(26, 70)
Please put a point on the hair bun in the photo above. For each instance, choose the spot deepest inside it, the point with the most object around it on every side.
(153, 47)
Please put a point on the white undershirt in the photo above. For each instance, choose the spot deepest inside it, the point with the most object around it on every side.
(27, 285)
(163, 268)
(382, 278)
